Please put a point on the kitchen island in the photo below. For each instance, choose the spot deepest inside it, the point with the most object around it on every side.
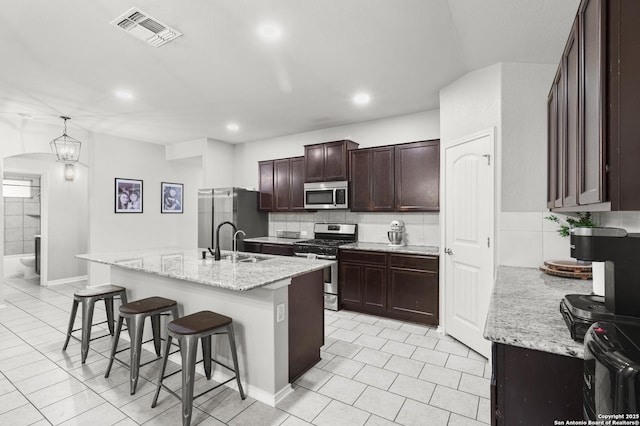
(537, 367)
(266, 296)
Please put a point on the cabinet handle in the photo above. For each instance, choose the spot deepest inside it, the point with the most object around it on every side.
(448, 251)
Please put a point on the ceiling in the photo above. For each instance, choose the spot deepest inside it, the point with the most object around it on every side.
(64, 58)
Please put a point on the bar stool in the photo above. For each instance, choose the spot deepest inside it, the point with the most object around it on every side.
(135, 313)
(188, 329)
(88, 297)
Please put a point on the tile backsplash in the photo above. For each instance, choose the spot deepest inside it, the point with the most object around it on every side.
(422, 229)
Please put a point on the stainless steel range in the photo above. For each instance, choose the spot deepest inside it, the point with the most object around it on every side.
(327, 238)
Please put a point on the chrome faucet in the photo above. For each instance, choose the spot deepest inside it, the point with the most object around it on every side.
(216, 254)
(235, 241)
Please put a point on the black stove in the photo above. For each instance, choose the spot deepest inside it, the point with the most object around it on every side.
(328, 237)
(581, 310)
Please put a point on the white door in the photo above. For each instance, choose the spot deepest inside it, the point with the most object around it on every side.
(468, 251)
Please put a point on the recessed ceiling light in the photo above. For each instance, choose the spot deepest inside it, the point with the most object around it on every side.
(270, 32)
(124, 94)
(361, 99)
(233, 127)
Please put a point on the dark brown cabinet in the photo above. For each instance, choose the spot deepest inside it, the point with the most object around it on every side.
(265, 182)
(413, 288)
(269, 248)
(372, 179)
(282, 184)
(391, 285)
(530, 387)
(417, 176)
(592, 111)
(328, 161)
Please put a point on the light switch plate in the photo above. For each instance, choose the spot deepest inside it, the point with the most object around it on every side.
(280, 313)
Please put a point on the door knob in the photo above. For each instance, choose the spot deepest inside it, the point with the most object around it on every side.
(448, 251)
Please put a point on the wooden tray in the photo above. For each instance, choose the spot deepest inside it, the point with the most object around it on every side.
(568, 265)
(566, 274)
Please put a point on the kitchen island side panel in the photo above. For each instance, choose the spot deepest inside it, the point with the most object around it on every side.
(261, 342)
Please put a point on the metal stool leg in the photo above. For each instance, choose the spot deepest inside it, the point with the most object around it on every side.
(188, 349)
(135, 333)
(114, 347)
(155, 328)
(206, 355)
(87, 320)
(162, 370)
(72, 318)
(108, 305)
(234, 355)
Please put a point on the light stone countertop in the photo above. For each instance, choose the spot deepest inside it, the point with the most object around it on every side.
(274, 240)
(188, 265)
(525, 311)
(423, 250)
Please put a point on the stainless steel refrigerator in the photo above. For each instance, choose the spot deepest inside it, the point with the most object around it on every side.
(236, 205)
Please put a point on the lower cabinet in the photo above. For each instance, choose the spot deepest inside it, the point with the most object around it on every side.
(269, 248)
(530, 387)
(391, 285)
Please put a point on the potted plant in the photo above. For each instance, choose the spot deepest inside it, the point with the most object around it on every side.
(583, 221)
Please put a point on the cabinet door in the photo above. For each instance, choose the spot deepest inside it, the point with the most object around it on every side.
(360, 180)
(265, 184)
(314, 163)
(374, 288)
(349, 279)
(591, 163)
(413, 295)
(296, 183)
(335, 161)
(281, 188)
(383, 179)
(561, 127)
(417, 176)
(552, 146)
(570, 163)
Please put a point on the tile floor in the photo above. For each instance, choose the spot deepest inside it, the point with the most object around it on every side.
(373, 371)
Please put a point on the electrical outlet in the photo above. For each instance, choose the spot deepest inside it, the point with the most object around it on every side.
(280, 313)
(303, 233)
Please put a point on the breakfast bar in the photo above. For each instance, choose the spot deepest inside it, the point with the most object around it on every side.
(265, 295)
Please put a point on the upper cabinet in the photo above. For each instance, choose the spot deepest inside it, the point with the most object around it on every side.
(401, 177)
(372, 180)
(592, 108)
(325, 162)
(282, 184)
(418, 176)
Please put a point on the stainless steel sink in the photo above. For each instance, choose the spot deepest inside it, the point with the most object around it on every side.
(243, 258)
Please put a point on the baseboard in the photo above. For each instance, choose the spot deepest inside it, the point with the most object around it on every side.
(69, 280)
(17, 274)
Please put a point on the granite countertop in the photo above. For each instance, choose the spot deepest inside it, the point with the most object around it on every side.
(274, 240)
(188, 265)
(524, 311)
(424, 250)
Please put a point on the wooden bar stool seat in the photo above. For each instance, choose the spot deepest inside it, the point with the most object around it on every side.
(88, 297)
(188, 329)
(135, 313)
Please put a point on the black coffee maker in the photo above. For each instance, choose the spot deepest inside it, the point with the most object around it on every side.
(612, 344)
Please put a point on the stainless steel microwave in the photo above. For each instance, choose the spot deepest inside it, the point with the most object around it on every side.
(326, 195)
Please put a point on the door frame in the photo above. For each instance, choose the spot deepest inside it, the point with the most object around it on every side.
(491, 133)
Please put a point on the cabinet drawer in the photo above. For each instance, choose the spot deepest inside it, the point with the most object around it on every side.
(359, 256)
(279, 249)
(252, 247)
(423, 263)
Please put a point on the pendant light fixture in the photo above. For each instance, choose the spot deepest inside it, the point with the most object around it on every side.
(66, 148)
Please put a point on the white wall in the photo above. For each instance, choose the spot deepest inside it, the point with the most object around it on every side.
(406, 128)
(65, 214)
(112, 158)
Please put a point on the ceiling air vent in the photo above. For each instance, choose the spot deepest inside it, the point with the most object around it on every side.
(144, 27)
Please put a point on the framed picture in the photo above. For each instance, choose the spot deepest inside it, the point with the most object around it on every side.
(171, 195)
(128, 196)
(172, 263)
